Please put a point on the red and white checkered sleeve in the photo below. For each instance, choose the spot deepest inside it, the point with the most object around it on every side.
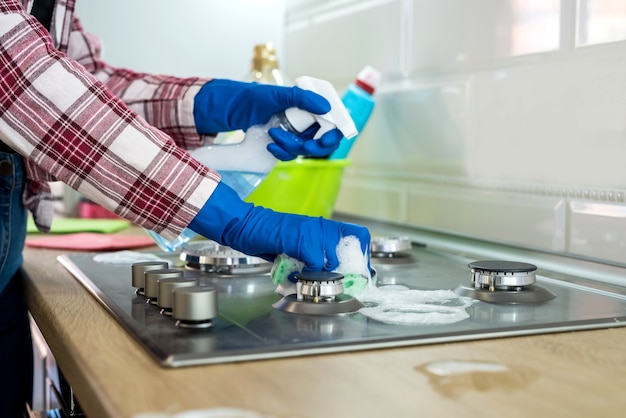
(71, 126)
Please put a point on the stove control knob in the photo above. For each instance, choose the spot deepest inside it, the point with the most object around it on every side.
(195, 306)
(165, 291)
(152, 282)
(139, 271)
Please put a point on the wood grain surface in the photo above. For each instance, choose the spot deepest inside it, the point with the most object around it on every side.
(581, 374)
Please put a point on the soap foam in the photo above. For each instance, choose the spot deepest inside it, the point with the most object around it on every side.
(351, 259)
(391, 304)
(126, 257)
(400, 305)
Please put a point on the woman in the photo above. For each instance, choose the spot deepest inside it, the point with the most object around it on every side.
(117, 137)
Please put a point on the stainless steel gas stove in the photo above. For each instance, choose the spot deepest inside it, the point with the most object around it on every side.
(221, 305)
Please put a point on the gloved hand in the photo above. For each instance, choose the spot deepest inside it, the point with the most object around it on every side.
(226, 105)
(261, 232)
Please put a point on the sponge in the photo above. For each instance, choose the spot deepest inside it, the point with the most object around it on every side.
(351, 258)
(353, 284)
(283, 267)
(353, 266)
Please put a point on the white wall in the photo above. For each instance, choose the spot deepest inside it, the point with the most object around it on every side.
(184, 37)
(502, 119)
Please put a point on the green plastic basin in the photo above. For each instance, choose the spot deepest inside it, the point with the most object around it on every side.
(302, 186)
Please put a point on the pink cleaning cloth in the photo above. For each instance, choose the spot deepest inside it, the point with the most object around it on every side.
(88, 241)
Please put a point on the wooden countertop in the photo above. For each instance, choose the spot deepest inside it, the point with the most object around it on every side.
(568, 374)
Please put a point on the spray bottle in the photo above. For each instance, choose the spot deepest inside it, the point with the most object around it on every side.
(359, 100)
(244, 165)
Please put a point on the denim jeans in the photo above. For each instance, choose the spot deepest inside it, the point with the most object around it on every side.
(12, 216)
(16, 353)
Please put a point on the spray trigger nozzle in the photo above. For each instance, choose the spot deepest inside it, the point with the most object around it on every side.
(338, 116)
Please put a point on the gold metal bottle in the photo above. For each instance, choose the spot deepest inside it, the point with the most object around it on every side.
(264, 66)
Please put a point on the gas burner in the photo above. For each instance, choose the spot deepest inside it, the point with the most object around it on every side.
(391, 250)
(507, 282)
(211, 257)
(318, 293)
(505, 275)
(319, 287)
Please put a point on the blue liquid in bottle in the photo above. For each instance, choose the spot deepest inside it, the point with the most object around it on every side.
(359, 100)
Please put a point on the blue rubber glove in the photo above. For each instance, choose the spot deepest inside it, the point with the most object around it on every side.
(261, 232)
(287, 146)
(226, 105)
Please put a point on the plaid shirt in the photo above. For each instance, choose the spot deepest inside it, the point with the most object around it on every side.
(112, 134)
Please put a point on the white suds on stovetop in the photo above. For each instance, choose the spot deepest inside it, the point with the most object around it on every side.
(400, 305)
(392, 304)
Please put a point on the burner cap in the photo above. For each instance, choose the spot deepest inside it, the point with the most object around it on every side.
(318, 276)
(502, 266)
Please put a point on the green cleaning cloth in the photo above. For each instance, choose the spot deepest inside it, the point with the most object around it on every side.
(73, 225)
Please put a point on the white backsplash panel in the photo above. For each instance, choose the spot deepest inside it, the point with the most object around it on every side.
(464, 36)
(501, 119)
(561, 122)
(597, 229)
(529, 220)
(333, 40)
